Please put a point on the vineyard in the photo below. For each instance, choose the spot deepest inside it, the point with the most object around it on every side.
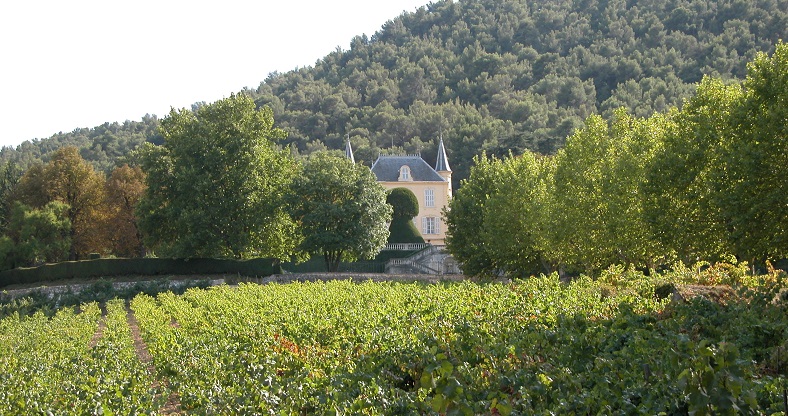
(617, 345)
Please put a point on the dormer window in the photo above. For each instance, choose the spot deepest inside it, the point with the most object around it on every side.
(404, 173)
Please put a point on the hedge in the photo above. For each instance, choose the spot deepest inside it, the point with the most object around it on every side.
(144, 267)
(317, 264)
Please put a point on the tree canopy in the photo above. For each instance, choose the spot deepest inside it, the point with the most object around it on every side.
(340, 208)
(706, 182)
(69, 179)
(490, 75)
(36, 236)
(124, 188)
(215, 186)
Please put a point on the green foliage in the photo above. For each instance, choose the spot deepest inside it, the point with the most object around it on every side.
(403, 202)
(37, 235)
(216, 184)
(515, 218)
(107, 268)
(704, 183)
(402, 230)
(465, 216)
(679, 187)
(755, 159)
(69, 179)
(717, 186)
(500, 75)
(340, 208)
(103, 146)
(405, 207)
(490, 75)
(50, 368)
(596, 195)
(529, 347)
(10, 173)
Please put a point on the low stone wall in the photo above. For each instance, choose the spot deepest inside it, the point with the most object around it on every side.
(176, 281)
(79, 287)
(359, 277)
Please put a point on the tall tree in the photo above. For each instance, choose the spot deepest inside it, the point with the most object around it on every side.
(215, 186)
(465, 216)
(754, 187)
(679, 187)
(10, 173)
(124, 188)
(578, 197)
(341, 210)
(635, 141)
(514, 219)
(76, 183)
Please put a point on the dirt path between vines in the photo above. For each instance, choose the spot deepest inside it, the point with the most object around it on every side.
(173, 404)
(102, 325)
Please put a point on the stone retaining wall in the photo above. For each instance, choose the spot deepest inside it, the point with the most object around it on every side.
(279, 278)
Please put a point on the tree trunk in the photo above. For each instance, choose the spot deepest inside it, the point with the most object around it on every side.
(332, 259)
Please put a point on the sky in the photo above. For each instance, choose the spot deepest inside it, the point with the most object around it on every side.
(81, 63)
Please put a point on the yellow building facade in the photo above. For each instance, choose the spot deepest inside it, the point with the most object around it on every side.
(432, 187)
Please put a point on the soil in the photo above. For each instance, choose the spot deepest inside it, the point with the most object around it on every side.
(102, 325)
(173, 404)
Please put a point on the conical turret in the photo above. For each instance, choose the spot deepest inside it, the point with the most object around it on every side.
(442, 165)
(349, 150)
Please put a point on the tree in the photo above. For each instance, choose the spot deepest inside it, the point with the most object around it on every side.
(340, 208)
(515, 218)
(754, 182)
(74, 182)
(31, 189)
(578, 200)
(465, 217)
(10, 173)
(124, 188)
(527, 76)
(215, 187)
(405, 206)
(69, 179)
(37, 235)
(679, 186)
(596, 206)
(637, 140)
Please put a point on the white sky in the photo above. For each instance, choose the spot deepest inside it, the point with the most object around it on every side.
(80, 63)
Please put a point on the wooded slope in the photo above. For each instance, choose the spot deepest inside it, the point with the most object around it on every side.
(490, 76)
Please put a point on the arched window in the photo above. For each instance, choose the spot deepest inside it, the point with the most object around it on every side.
(404, 173)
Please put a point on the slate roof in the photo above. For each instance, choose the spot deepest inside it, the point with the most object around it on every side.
(349, 152)
(442, 164)
(386, 169)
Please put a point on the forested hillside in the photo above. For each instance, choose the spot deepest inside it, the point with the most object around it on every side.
(498, 75)
(491, 75)
(102, 146)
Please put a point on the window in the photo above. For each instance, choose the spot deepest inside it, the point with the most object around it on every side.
(404, 173)
(430, 225)
(429, 198)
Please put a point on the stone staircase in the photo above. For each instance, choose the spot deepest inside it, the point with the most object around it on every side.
(430, 260)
